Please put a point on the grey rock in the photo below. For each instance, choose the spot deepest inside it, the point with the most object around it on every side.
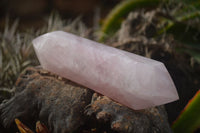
(65, 106)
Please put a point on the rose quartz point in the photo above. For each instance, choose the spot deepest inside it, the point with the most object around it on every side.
(127, 78)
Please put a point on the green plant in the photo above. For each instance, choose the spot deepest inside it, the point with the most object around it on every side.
(185, 28)
(112, 21)
(180, 19)
(188, 121)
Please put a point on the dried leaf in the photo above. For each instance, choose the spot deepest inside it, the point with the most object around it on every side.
(22, 128)
(41, 128)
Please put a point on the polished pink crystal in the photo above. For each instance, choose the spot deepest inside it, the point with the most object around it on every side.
(129, 79)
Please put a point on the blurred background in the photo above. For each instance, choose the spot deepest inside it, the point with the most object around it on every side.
(31, 13)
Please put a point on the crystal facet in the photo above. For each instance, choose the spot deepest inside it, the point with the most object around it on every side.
(129, 79)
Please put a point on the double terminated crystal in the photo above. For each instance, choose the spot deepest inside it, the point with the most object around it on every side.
(129, 79)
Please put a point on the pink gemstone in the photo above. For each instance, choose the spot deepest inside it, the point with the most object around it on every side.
(129, 79)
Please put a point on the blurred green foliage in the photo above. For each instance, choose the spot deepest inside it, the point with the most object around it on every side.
(189, 119)
(113, 20)
(181, 19)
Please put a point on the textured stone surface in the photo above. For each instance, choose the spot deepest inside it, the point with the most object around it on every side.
(43, 96)
(129, 79)
(122, 119)
(65, 106)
